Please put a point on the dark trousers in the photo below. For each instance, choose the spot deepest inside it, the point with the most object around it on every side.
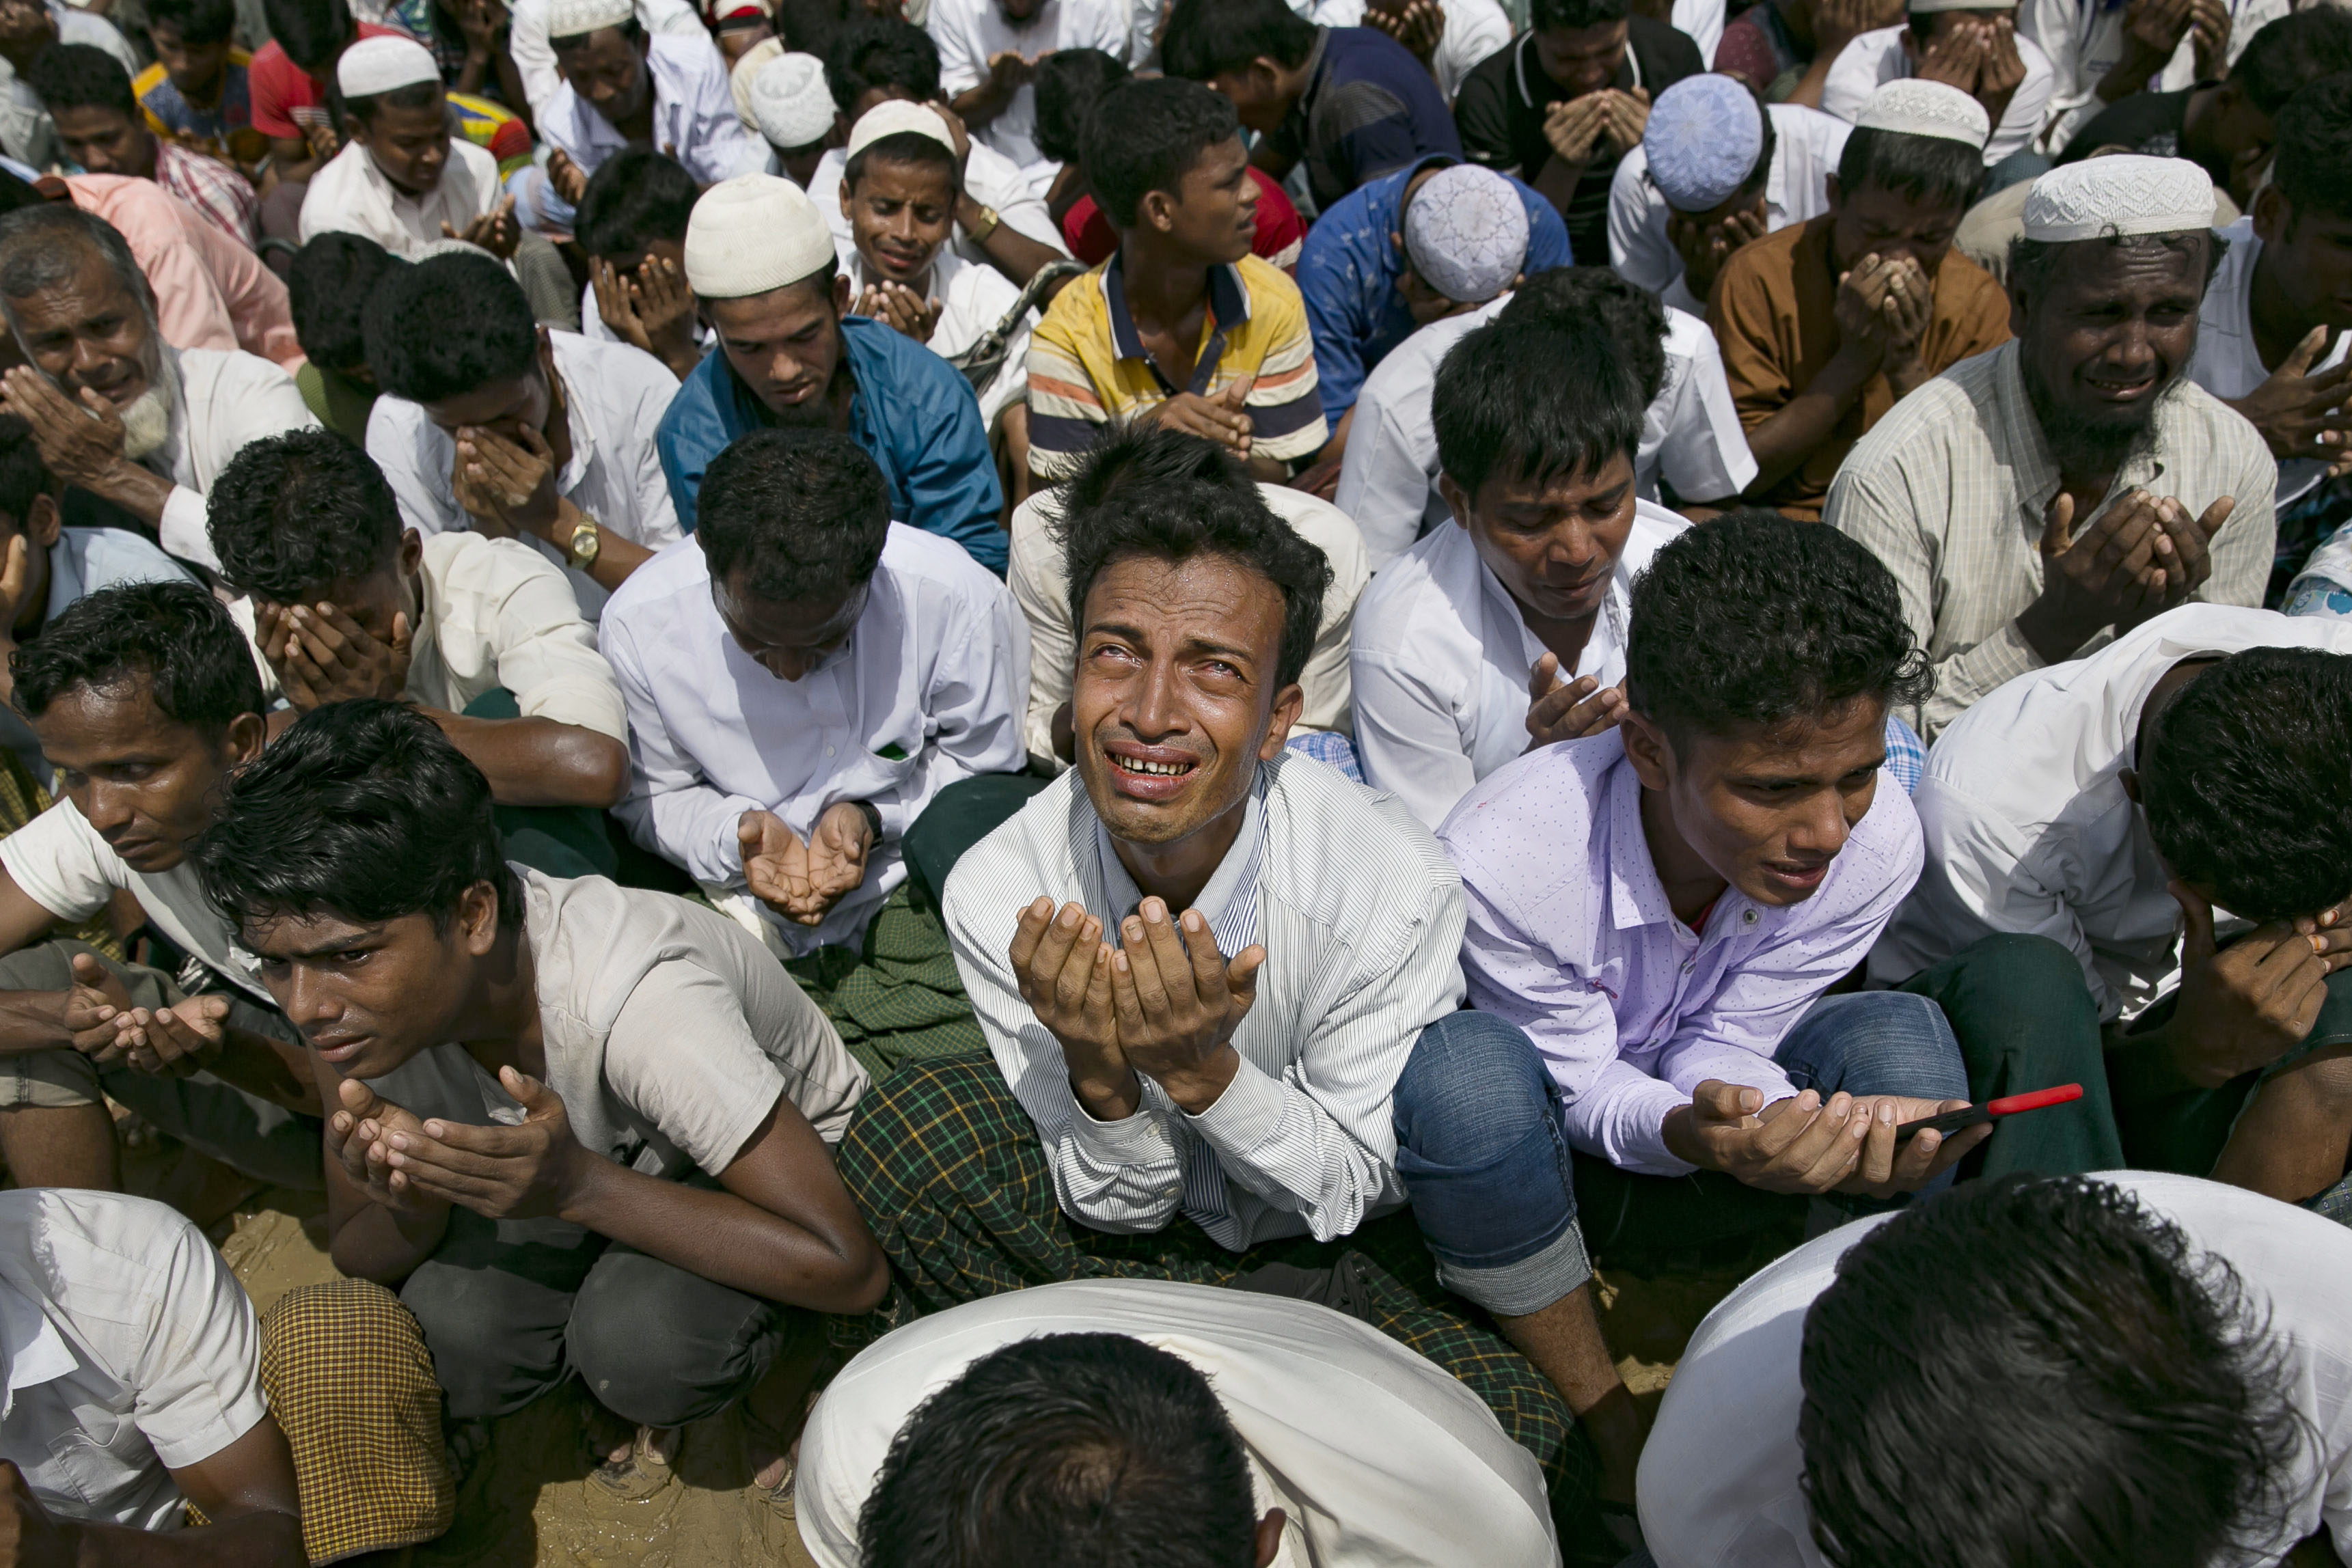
(511, 1307)
(2025, 1020)
(554, 840)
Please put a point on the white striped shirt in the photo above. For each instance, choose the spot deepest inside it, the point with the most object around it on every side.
(1357, 965)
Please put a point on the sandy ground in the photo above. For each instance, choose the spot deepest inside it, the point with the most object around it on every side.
(530, 1504)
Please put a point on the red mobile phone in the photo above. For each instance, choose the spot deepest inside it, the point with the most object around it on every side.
(1977, 1115)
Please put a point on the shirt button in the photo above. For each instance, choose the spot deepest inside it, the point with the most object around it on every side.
(828, 751)
(1747, 917)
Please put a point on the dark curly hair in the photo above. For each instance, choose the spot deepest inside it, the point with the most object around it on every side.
(2311, 164)
(362, 808)
(803, 514)
(1569, 298)
(293, 513)
(2244, 766)
(1205, 39)
(1166, 507)
(1753, 620)
(179, 638)
(447, 325)
(1534, 404)
(1062, 1450)
(2032, 1370)
(877, 53)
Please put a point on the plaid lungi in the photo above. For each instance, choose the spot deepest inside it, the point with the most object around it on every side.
(897, 997)
(348, 1376)
(948, 1171)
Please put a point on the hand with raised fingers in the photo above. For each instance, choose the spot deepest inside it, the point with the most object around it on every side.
(358, 1134)
(1062, 967)
(1569, 710)
(1178, 1000)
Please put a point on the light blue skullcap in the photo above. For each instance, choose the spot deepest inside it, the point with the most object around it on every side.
(1703, 134)
(1465, 233)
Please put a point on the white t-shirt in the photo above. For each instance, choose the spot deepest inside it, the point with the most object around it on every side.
(61, 863)
(131, 1351)
(2227, 362)
(970, 31)
(1720, 1482)
(669, 1032)
(1377, 1457)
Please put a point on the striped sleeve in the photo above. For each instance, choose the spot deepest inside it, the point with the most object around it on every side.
(1065, 407)
(1285, 402)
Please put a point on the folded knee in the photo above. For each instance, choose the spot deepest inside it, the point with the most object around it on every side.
(1472, 1089)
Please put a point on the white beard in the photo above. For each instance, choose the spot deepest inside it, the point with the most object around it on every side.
(147, 423)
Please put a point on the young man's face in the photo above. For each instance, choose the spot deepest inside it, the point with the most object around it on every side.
(628, 261)
(410, 146)
(146, 783)
(1554, 543)
(785, 344)
(1256, 92)
(1214, 213)
(373, 600)
(196, 70)
(2308, 257)
(899, 215)
(1888, 224)
(787, 638)
(1582, 59)
(608, 73)
(106, 141)
(509, 406)
(1767, 809)
(2112, 327)
(1176, 698)
(369, 996)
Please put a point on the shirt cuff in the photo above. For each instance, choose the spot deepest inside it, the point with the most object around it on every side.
(1628, 1129)
(1245, 1115)
(1139, 1139)
(183, 531)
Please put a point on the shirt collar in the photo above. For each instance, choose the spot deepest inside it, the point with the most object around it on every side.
(1636, 896)
(2018, 439)
(1229, 902)
(35, 1351)
(575, 419)
(65, 578)
(1228, 308)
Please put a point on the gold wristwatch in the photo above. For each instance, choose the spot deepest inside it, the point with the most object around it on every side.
(585, 542)
(988, 221)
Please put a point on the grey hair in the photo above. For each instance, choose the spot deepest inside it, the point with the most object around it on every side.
(38, 251)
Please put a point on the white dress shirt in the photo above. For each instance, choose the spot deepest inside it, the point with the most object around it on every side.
(1357, 965)
(694, 116)
(1440, 660)
(491, 613)
(131, 1352)
(2084, 40)
(969, 33)
(2028, 828)
(614, 395)
(2227, 362)
(1721, 1479)
(1571, 938)
(990, 178)
(223, 400)
(534, 53)
(1873, 60)
(1474, 29)
(1806, 146)
(1377, 1457)
(352, 196)
(926, 691)
(972, 298)
(1691, 437)
(1042, 586)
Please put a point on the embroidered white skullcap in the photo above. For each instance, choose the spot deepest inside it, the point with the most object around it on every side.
(380, 64)
(1465, 233)
(570, 18)
(1910, 106)
(1702, 139)
(1924, 7)
(895, 117)
(2120, 195)
(791, 102)
(751, 233)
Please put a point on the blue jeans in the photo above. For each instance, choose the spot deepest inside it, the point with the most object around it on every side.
(1482, 1151)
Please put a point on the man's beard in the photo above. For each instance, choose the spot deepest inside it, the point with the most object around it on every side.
(2085, 445)
(147, 423)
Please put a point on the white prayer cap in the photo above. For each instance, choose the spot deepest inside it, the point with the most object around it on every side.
(571, 18)
(382, 63)
(1914, 107)
(1923, 7)
(1702, 139)
(2118, 195)
(1465, 233)
(791, 102)
(894, 116)
(751, 233)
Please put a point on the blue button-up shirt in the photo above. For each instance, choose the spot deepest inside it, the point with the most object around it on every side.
(1349, 273)
(913, 412)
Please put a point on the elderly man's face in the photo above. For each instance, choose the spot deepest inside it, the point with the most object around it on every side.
(89, 332)
(785, 344)
(2110, 329)
(1177, 698)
